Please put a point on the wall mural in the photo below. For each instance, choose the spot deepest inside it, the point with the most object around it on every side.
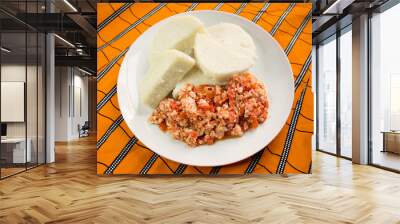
(204, 88)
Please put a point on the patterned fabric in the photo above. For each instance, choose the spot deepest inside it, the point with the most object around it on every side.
(120, 152)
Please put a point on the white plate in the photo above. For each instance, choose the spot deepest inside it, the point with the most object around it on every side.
(272, 67)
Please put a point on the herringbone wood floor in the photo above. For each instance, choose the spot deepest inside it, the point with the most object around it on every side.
(70, 192)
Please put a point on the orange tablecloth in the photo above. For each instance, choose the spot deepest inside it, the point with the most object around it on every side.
(119, 152)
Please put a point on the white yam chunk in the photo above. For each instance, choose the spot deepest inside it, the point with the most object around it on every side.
(217, 60)
(164, 73)
(178, 33)
(233, 37)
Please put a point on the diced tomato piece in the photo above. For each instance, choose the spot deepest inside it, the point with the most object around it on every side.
(174, 105)
(163, 126)
(253, 122)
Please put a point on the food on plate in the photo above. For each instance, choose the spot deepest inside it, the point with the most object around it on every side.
(233, 37)
(194, 77)
(207, 70)
(164, 73)
(218, 61)
(203, 114)
(178, 33)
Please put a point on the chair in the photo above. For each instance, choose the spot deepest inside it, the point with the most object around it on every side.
(84, 130)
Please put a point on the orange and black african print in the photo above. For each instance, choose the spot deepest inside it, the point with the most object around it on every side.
(120, 152)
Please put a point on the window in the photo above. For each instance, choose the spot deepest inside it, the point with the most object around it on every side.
(335, 74)
(394, 102)
(385, 89)
(22, 101)
(346, 93)
(327, 96)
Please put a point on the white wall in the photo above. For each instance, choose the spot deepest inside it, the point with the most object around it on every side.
(80, 84)
(12, 73)
(33, 126)
(70, 84)
(16, 73)
(61, 103)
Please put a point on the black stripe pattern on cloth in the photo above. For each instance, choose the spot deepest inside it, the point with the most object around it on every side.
(261, 12)
(255, 159)
(219, 5)
(132, 26)
(282, 18)
(106, 69)
(303, 71)
(298, 32)
(115, 14)
(106, 98)
(289, 137)
(214, 171)
(241, 8)
(149, 164)
(181, 168)
(109, 131)
(120, 156)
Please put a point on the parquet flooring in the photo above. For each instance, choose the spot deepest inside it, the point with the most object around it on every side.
(11, 170)
(69, 191)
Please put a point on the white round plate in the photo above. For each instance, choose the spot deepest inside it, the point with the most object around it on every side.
(272, 68)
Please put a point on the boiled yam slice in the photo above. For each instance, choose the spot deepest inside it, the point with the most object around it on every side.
(218, 61)
(178, 33)
(233, 37)
(164, 73)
